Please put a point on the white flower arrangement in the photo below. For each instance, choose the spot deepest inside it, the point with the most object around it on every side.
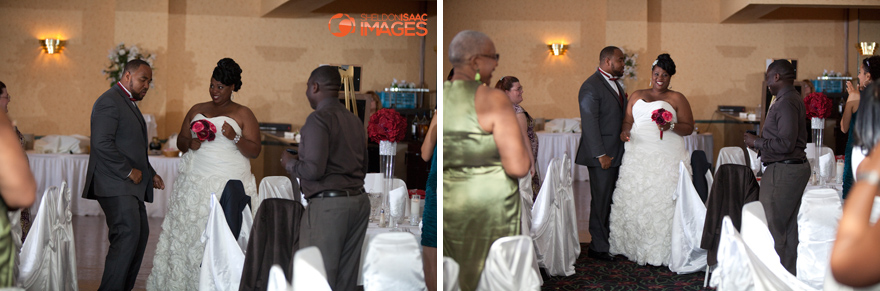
(119, 56)
(402, 84)
(629, 66)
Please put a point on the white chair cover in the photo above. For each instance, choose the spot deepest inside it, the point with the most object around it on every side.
(526, 203)
(450, 275)
(277, 280)
(687, 226)
(393, 262)
(308, 270)
(223, 259)
(817, 230)
(734, 268)
(826, 160)
(272, 187)
(554, 222)
(373, 182)
(49, 253)
(830, 282)
(754, 160)
(247, 223)
(509, 267)
(730, 155)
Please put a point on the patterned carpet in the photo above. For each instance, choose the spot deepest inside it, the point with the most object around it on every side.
(622, 274)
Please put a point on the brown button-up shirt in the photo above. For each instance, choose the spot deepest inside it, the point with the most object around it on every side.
(332, 152)
(784, 135)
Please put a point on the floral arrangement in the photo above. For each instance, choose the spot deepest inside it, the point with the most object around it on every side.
(661, 117)
(203, 129)
(119, 56)
(629, 66)
(386, 124)
(818, 105)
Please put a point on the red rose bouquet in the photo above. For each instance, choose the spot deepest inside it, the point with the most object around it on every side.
(203, 129)
(818, 105)
(387, 125)
(661, 117)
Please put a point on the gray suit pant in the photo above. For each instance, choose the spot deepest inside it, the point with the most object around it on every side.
(782, 188)
(129, 230)
(602, 184)
(337, 226)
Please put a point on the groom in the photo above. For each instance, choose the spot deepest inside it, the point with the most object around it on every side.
(120, 176)
(602, 103)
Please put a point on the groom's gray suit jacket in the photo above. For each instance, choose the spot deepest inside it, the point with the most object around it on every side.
(601, 119)
(118, 144)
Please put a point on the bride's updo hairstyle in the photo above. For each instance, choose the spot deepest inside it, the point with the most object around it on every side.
(665, 62)
(228, 72)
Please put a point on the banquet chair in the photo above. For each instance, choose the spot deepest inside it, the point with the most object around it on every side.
(734, 186)
(687, 226)
(274, 240)
(754, 160)
(508, 265)
(730, 155)
(223, 260)
(526, 203)
(238, 214)
(702, 178)
(273, 187)
(450, 275)
(308, 270)
(393, 262)
(817, 221)
(277, 280)
(768, 274)
(48, 255)
(554, 221)
(826, 159)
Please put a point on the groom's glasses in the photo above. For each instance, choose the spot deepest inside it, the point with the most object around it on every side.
(496, 57)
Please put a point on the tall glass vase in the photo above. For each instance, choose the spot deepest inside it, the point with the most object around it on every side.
(387, 150)
(818, 126)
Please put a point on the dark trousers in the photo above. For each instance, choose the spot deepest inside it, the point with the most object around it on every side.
(337, 226)
(782, 188)
(129, 230)
(602, 183)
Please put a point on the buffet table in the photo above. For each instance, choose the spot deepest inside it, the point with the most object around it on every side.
(51, 169)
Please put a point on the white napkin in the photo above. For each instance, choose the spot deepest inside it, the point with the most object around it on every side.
(826, 165)
(563, 125)
(171, 145)
(397, 201)
(57, 144)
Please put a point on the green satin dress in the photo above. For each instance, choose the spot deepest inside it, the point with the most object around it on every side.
(480, 202)
(7, 248)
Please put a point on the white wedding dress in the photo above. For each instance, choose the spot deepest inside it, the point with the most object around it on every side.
(642, 205)
(202, 172)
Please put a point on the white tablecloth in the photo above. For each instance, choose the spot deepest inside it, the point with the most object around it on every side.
(551, 145)
(50, 169)
(372, 230)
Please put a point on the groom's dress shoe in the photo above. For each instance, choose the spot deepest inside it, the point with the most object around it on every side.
(599, 255)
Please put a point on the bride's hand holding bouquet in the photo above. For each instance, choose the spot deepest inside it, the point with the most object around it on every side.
(202, 130)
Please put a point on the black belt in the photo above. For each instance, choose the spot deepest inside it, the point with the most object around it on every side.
(337, 193)
(789, 161)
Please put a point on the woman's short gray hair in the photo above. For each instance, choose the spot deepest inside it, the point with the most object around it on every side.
(466, 44)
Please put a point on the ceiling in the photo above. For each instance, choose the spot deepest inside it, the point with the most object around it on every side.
(756, 10)
(313, 8)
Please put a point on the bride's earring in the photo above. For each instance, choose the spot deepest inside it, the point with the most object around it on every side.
(232, 96)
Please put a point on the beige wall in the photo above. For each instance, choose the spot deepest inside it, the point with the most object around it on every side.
(53, 94)
(716, 63)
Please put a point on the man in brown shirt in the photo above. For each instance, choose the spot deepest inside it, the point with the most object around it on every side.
(331, 167)
(781, 146)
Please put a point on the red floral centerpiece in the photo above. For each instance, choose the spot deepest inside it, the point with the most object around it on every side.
(386, 125)
(661, 117)
(817, 105)
(203, 129)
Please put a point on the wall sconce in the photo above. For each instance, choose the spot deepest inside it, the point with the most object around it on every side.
(52, 45)
(557, 49)
(867, 48)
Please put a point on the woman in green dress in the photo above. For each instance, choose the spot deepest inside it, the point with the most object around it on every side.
(17, 190)
(869, 71)
(483, 155)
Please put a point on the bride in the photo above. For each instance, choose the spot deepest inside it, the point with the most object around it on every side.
(205, 168)
(642, 208)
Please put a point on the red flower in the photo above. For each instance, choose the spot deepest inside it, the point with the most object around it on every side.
(386, 124)
(661, 117)
(204, 130)
(817, 105)
(197, 126)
